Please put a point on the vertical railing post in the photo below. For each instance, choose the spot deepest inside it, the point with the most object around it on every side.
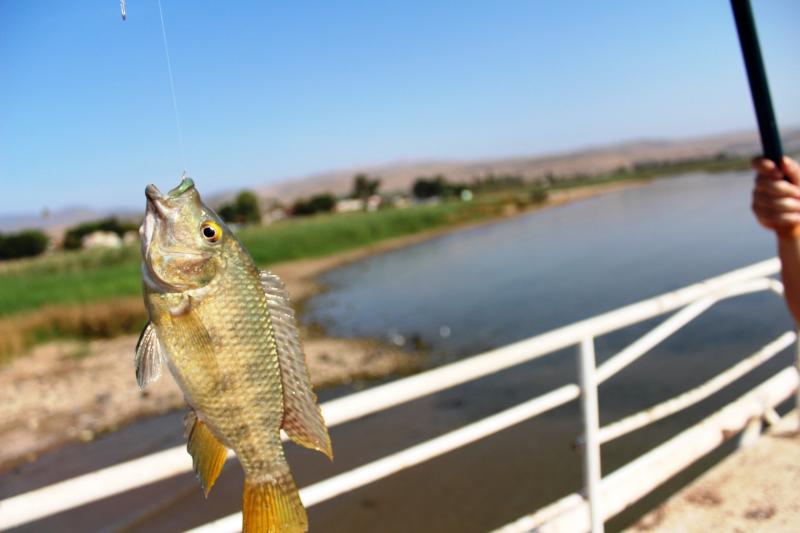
(591, 425)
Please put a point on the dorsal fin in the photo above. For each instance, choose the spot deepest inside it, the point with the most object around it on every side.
(302, 419)
(149, 357)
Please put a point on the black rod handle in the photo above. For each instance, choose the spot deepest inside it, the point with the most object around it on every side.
(757, 76)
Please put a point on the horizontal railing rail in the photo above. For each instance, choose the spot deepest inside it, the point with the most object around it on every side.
(689, 302)
(636, 479)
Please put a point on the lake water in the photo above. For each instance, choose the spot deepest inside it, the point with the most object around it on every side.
(485, 287)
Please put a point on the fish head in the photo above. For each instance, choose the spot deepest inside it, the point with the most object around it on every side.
(182, 239)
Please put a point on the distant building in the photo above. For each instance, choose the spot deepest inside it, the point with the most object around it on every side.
(401, 202)
(349, 205)
(130, 237)
(274, 215)
(101, 239)
(374, 202)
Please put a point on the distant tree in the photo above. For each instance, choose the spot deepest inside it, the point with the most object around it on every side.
(243, 210)
(73, 237)
(228, 213)
(27, 243)
(320, 203)
(496, 182)
(247, 208)
(428, 187)
(364, 187)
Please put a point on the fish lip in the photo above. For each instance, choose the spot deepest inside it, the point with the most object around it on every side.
(152, 193)
(155, 201)
(153, 211)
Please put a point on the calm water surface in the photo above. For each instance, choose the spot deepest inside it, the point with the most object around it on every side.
(485, 287)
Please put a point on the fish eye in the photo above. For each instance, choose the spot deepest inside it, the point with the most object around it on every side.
(211, 231)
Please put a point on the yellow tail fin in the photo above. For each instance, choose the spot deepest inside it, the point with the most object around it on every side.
(273, 507)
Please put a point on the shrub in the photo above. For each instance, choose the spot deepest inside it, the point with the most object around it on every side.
(321, 203)
(26, 243)
(539, 194)
(429, 187)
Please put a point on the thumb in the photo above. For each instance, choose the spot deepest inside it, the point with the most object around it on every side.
(791, 170)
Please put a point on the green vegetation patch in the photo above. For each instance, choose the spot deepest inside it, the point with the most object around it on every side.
(94, 275)
(328, 234)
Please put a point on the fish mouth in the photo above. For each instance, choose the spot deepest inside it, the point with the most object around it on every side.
(156, 208)
(160, 210)
(152, 193)
(155, 200)
(152, 210)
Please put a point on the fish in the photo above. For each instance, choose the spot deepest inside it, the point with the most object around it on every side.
(228, 335)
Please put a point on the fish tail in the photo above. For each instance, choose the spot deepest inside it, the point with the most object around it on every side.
(273, 506)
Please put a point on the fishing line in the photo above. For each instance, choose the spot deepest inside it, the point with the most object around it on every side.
(172, 87)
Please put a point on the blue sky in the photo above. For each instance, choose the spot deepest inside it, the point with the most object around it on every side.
(270, 90)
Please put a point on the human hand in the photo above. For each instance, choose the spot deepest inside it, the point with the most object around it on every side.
(776, 201)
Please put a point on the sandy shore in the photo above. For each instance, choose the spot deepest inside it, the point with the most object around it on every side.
(68, 391)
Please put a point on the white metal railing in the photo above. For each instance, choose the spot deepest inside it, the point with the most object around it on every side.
(689, 302)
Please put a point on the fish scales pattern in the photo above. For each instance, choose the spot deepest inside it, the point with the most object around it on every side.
(245, 349)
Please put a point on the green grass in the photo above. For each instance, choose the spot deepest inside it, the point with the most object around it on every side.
(93, 276)
(69, 278)
(328, 234)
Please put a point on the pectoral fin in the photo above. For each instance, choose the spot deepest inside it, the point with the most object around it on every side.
(192, 335)
(149, 357)
(208, 453)
(302, 419)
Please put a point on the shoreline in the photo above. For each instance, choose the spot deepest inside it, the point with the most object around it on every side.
(69, 391)
(300, 275)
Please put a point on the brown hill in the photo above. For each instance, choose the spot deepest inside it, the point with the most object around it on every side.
(593, 160)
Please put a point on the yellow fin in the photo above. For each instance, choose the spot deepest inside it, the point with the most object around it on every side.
(208, 454)
(273, 507)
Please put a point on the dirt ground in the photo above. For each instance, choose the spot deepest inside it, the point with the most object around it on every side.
(73, 391)
(66, 391)
(754, 490)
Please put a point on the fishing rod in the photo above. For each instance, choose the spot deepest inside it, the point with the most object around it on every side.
(757, 77)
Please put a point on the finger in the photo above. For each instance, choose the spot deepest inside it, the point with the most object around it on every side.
(777, 205)
(766, 168)
(772, 211)
(776, 189)
(763, 165)
(778, 221)
(791, 169)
